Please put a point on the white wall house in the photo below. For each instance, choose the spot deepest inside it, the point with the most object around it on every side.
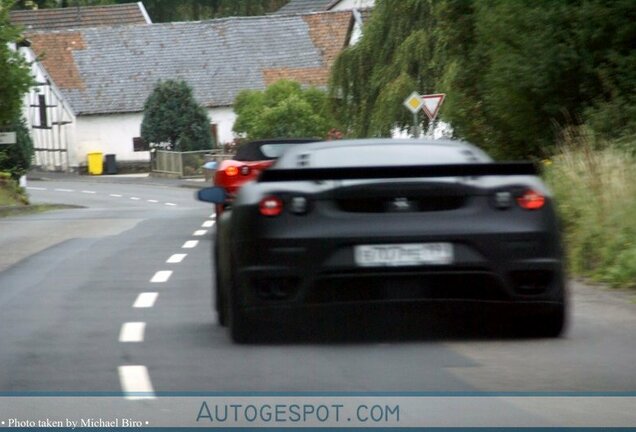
(51, 119)
(114, 134)
(100, 77)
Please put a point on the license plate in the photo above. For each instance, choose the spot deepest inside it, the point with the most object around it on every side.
(412, 254)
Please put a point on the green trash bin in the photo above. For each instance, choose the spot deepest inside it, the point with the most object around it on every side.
(95, 163)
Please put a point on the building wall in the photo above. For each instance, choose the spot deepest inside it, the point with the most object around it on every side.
(50, 120)
(108, 134)
(224, 118)
(114, 133)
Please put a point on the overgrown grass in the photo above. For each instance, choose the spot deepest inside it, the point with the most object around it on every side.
(595, 189)
(10, 193)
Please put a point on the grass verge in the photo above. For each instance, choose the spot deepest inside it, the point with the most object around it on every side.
(19, 210)
(595, 191)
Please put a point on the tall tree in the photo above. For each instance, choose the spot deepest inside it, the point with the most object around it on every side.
(172, 116)
(515, 71)
(14, 70)
(284, 109)
(171, 10)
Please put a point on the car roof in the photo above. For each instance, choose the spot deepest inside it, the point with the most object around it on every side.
(454, 146)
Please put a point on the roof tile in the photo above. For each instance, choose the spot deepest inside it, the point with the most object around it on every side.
(76, 17)
(114, 69)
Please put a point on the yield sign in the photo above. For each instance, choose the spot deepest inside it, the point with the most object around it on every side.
(432, 103)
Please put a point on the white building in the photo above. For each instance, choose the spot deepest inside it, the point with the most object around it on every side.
(95, 80)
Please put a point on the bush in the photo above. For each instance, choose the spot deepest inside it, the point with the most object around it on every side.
(10, 192)
(172, 116)
(284, 109)
(595, 189)
(15, 159)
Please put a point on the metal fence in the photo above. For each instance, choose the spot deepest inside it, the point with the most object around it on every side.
(184, 164)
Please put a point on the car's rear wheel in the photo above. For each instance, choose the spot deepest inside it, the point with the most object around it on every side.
(219, 297)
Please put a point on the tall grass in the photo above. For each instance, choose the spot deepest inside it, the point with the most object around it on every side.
(595, 188)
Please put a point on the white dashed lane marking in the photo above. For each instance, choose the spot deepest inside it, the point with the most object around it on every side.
(161, 276)
(135, 382)
(132, 332)
(176, 258)
(199, 233)
(133, 198)
(146, 300)
(190, 244)
(208, 224)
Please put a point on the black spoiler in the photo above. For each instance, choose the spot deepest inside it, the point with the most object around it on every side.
(412, 171)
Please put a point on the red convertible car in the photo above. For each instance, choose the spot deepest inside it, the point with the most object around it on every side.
(251, 158)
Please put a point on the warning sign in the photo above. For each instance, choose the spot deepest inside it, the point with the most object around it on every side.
(432, 103)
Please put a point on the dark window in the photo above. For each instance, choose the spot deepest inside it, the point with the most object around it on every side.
(140, 145)
(44, 123)
(214, 133)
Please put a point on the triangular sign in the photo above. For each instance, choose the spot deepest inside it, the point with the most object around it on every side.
(432, 103)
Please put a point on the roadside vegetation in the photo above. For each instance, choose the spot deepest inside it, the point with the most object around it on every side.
(10, 193)
(15, 159)
(539, 80)
(174, 120)
(283, 109)
(595, 188)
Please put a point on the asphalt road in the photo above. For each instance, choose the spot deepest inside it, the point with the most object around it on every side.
(115, 296)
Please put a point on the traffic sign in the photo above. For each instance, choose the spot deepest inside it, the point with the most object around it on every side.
(431, 104)
(414, 102)
(7, 138)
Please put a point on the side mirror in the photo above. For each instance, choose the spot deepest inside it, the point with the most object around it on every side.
(214, 195)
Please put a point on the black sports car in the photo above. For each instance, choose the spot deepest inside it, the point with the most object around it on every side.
(382, 221)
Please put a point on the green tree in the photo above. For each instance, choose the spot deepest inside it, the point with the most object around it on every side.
(187, 10)
(396, 56)
(516, 72)
(16, 158)
(173, 116)
(284, 109)
(15, 73)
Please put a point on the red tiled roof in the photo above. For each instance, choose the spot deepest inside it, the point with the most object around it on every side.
(84, 16)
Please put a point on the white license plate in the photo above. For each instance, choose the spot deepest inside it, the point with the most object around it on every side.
(412, 254)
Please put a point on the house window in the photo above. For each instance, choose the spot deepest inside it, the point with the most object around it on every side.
(139, 145)
(44, 122)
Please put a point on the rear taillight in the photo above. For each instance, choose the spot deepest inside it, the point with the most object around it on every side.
(231, 171)
(270, 206)
(531, 200)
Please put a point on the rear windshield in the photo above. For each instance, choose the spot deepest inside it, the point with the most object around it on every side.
(258, 151)
(381, 155)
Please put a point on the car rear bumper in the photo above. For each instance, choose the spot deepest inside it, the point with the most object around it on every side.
(396, 313)
(513, 268)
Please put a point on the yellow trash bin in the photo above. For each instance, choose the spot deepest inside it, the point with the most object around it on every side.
(95, 163)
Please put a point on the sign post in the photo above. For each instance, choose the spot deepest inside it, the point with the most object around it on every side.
(414, 103)
(7, 138)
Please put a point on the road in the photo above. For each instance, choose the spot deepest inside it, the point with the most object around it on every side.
(115, 295)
